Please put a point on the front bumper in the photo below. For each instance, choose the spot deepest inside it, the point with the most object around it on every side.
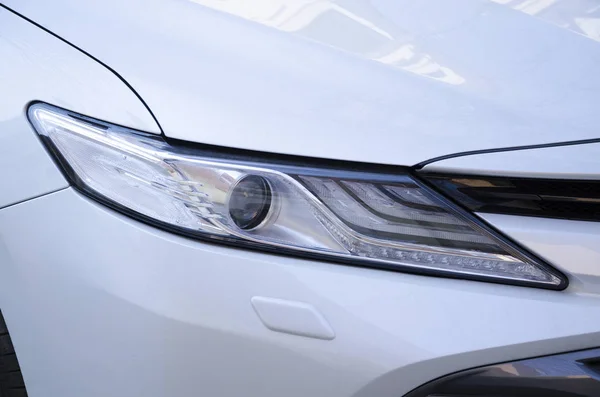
(98, 304)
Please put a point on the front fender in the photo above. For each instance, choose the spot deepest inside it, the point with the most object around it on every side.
(37, 66)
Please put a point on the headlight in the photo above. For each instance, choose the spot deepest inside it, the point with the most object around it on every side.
(383, 220)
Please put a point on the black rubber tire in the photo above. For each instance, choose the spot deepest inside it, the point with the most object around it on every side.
(11, 379)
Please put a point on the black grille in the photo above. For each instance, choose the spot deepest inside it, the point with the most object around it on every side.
(548, 198)
(563, 375)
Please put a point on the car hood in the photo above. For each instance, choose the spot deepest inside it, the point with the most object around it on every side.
(383, 81)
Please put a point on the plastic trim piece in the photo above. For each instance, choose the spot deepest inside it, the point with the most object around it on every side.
(574, 374)
(539, 197)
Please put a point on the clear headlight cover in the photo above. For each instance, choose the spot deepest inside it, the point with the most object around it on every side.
(390, 221)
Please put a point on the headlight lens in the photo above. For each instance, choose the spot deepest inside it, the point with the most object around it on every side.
(382, 220)
(250, 202)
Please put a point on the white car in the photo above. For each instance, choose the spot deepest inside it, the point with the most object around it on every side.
(300, 198)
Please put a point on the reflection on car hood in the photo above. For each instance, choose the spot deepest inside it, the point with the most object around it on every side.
(383, 81)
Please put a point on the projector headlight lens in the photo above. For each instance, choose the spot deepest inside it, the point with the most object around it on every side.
(250, 202)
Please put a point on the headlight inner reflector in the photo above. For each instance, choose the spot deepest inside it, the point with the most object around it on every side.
(389, 221)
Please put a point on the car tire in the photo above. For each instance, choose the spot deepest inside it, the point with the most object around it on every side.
(11, 379)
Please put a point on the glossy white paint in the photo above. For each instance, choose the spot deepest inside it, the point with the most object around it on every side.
(39, 67)
(105, 306)
(99, 305)
(571, 246)
(386, 81)
(292, 317)
(561, 162)
(36, 66)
